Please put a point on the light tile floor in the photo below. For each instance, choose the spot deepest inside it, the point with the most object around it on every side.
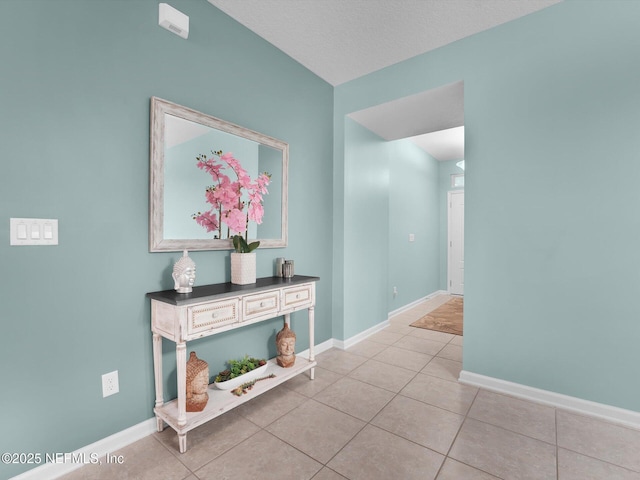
(390, 407)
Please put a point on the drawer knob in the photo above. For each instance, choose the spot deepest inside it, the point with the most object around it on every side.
(297, 295)
(262, 304)
(214, 315)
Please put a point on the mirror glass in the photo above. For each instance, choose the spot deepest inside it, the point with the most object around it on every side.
(179, 136)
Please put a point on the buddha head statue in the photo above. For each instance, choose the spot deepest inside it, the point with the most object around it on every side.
(184, 274)
(286, 344)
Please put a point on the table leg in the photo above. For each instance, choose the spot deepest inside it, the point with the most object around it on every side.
(182, 442)
(181, 370)
(311, 340)
(157, 372)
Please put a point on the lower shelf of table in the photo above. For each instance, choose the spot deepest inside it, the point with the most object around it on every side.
(221, 401)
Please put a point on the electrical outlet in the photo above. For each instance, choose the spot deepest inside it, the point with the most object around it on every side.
(110, 383)
(395, 292)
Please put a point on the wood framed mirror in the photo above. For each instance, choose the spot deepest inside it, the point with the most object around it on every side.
(177, 186)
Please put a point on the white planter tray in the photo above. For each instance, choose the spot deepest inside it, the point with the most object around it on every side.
(247, 377)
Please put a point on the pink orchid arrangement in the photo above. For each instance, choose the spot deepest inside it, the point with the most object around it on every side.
(227, 201)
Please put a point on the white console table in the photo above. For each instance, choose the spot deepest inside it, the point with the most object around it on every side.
(213, 309)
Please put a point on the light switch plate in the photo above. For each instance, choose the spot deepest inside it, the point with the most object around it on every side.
(33, 231)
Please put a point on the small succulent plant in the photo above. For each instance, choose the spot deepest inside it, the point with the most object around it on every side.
(240, 367)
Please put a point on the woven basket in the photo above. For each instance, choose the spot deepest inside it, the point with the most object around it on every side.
(243, 268)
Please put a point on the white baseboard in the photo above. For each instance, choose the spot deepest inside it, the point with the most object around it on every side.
(350, 342)
(599, 410)
(317, 349)
(99, 449)
(409, 306)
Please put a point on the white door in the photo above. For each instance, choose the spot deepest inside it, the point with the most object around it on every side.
(456, 242)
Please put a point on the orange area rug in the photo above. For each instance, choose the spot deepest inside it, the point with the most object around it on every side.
(446, 318)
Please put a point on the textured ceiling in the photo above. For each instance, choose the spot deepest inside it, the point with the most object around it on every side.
(340, 40)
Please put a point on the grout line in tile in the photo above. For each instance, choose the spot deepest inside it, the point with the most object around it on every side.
(176, 454)
(596, 459)
(466, 415)
(510, 431)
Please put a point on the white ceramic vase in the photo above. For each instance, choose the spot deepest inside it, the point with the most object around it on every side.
(243, 268)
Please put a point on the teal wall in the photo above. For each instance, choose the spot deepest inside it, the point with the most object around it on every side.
(413, 208)
(366, 218)
(551, 150)
(75, 88)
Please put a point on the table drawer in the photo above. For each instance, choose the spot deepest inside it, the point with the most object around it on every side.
(297, 297)
(210, 316)
(264, 304)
